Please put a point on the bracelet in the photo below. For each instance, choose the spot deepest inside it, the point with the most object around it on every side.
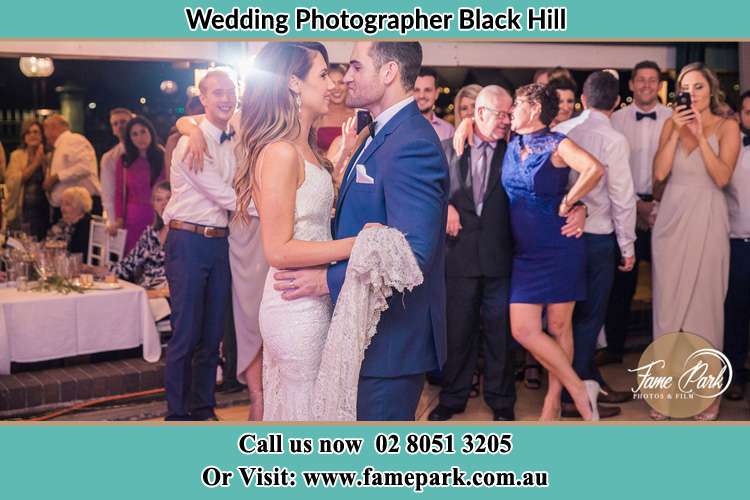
(579, 203)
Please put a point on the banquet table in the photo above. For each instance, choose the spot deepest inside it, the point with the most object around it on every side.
(39, 326)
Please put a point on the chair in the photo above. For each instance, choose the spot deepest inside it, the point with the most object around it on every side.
(103, 247)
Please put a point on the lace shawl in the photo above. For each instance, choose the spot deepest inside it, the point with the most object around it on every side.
(381, 262)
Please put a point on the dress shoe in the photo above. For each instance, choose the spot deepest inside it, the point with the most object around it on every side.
(230, 387)
(569, 411)
(604, 357)
(532, 377)
(442, 413)
(736, 392)
(503, 415)
(611, 396)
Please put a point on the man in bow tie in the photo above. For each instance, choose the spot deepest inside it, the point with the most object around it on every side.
(737, 304)
(641, 124)
(197, 255)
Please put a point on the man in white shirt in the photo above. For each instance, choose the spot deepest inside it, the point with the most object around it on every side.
(426, 92)
(641, 124)
(197, 255)
(73, 164)
(118, 120)
(737, 304)
(610, 224)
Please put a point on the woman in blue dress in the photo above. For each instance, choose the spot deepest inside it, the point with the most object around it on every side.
(548, 268)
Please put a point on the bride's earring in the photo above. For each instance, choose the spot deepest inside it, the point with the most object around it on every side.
(298, 101)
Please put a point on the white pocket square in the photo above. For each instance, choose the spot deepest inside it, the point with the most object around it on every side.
(362, 177)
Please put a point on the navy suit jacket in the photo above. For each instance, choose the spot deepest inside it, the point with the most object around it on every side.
(409, 193)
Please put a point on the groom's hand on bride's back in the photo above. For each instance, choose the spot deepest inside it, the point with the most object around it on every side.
(295, 284)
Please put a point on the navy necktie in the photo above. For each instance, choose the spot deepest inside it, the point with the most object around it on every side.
(746, 140)
(640, 116)
(226, 137)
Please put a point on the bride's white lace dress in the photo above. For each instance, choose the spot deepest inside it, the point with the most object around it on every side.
(294, 332)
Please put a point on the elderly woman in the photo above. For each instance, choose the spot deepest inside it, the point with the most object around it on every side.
(26, 205)
(75, 224)
(144, 264)
(548, 268)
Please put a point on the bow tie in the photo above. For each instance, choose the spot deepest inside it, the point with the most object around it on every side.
(372, 126)
(746, 140)
(640, 116)
(226, 137)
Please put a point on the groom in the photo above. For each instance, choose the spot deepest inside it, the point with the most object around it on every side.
(397, 177)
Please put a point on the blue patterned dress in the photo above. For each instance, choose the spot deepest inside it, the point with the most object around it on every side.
(548, 268)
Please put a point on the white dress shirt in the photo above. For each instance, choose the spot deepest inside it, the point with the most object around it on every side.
(380, 120)
(643, 138)
(74, 162)
(203, 197)
(738, 195)
(611, 204)
(107, 175)
(568, 125)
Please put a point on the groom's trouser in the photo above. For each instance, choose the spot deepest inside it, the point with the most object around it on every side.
(381, 399)
(471, 300)
(200, 286)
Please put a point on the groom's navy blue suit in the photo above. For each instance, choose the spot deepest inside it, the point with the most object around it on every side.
(409, 192)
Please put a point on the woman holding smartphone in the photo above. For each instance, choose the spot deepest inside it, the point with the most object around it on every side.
(697, 152)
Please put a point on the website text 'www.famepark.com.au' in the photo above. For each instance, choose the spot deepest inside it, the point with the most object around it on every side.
(370, 477)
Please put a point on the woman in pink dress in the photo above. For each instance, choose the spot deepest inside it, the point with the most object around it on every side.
(138, 170)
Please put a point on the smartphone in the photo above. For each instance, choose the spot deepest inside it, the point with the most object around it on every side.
(363, 119)
(683, 99)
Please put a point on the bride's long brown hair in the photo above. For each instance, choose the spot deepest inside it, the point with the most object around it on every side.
(269, 112)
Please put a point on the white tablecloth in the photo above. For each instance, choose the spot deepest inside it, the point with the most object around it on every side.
(38, 326)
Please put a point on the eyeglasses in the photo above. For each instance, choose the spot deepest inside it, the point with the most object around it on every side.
(496, 113)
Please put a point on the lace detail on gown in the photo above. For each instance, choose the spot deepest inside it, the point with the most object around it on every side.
(294, 332)
(381, 261)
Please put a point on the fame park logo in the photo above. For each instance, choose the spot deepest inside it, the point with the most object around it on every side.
(680, 374)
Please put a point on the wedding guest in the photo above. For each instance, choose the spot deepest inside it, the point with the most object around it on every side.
(197, 255)
(144, 264)
(118, 121)
(192, 107)
(73, 164)
(25, 205)
(329, 126)
(566, 90)
(541, 76)
(478, 261)
(697, 152)
(561, 73)
(75, 221)
(610, 225)
(426, 93)
(463, 104)
(737, 304)
(641, 123)
(138, 170)
(548, 268)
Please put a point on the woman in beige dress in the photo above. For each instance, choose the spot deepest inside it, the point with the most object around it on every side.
(690, 240)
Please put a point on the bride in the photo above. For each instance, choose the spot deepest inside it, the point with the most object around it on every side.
(291, 186)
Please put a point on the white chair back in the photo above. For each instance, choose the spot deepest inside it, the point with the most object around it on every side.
(105, 250)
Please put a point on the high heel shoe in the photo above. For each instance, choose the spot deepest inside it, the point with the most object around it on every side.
(592, 390)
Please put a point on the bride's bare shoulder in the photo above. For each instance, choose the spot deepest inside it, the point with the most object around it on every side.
(279, 159)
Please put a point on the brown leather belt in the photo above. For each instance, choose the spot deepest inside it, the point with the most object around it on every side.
(206, 231)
